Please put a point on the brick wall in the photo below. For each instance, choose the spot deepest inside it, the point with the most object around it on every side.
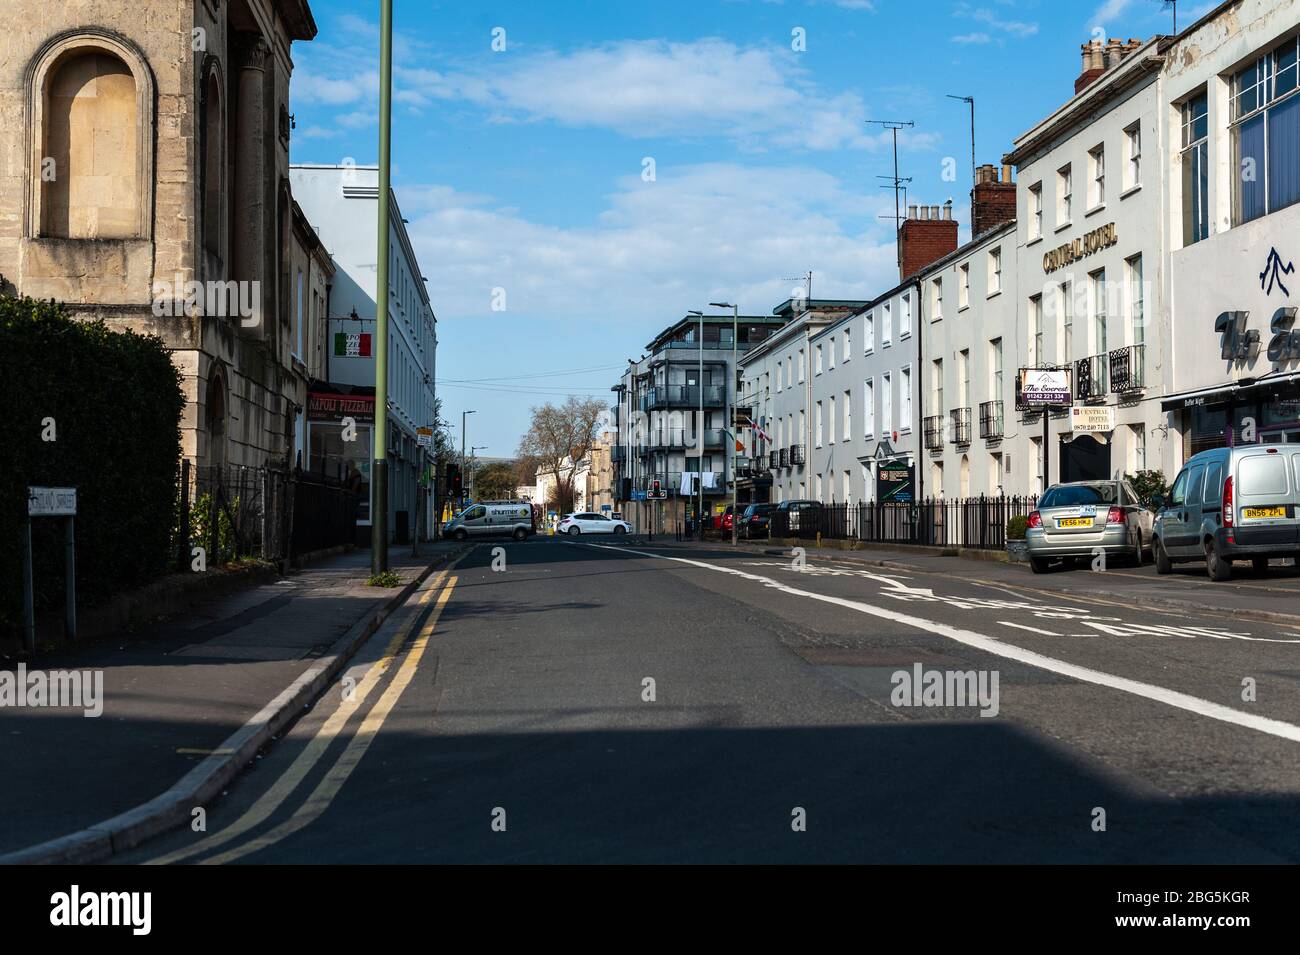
(924, 241)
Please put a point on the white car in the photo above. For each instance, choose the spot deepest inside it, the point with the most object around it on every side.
(589, 523)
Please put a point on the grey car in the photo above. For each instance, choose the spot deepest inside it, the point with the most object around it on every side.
(1083, 518)
(1229, 504)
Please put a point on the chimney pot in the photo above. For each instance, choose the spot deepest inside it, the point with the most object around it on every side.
(1006, 172)
(911, 211)
(934, 212)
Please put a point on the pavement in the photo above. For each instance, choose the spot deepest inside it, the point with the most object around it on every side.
(175, 692)
(622, 701)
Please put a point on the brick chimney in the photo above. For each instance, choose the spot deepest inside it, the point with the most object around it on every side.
(994, 199)
(927, 235)
(1098, 58)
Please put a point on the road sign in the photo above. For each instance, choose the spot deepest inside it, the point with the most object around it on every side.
(424, 436)
(51, 501)
(657, 492)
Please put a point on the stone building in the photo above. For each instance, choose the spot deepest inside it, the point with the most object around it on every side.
(144, 180)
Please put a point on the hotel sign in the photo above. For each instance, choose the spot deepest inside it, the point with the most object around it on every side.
(1082, 247)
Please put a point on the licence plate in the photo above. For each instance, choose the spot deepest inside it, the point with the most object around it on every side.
(1256, 513)
(1074, 522)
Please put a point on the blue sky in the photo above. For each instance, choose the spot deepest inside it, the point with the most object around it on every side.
(526, 169)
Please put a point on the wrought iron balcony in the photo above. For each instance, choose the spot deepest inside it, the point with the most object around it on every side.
(1090, 376)
(932, 432)
(1128, 369)
(991, 420)
(783, 457)
(960, 425)
(774, 459)
(796, 454)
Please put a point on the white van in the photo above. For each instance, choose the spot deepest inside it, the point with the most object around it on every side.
(492, 518)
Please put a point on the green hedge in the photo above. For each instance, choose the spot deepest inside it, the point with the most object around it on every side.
(116, 401)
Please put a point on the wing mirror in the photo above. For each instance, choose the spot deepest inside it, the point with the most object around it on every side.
(1157, 502)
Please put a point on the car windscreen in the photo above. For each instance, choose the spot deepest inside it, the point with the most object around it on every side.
(1072, 495)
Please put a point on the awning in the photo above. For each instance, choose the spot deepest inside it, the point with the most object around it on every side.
(1216, 394)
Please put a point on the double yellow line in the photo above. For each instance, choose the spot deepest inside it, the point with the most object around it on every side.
(323, 795)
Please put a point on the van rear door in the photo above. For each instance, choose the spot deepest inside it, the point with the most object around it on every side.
(1264, 498)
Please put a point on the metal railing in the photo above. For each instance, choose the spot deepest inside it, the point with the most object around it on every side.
(932, 432)
(1127, 369)
(961, 429)
(1090, 376)
(796, 454)
(684, 438)
(991, 420)
(683, 396)
(978, 523)
(783, 459)
(774, 459)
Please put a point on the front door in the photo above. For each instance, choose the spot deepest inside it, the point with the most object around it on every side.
(1084, 459)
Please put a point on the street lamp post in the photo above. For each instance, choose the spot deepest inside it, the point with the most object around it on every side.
(463, 415)
(474, 457)
(379, 464)
(699, 450)
(735, 324)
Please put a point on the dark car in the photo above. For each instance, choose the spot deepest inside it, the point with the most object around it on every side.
(797, 518)
(754, 521)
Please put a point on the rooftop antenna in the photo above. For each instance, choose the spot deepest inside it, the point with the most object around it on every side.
(895, 125)
(806, 279)
(971, 101)
(1172, 4)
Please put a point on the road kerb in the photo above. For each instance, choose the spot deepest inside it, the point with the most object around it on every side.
(207, 780)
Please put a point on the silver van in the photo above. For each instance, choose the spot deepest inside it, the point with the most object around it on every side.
(492, 518)
(1231, 504)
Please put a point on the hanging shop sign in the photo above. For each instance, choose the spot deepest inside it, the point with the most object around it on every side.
(1044, 386)
(1092, 419)
(352, 344)
(1082, 247)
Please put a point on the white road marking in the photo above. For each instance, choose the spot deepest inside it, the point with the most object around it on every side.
(1158, 694)
(1021, 626)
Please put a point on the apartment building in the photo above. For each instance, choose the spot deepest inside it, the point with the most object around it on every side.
(1231, 195)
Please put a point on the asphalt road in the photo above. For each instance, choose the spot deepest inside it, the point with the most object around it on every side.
(512, 722)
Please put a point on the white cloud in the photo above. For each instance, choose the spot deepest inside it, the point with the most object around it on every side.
(759, 97)
(972, 38)
(994, 21)
(659, 248)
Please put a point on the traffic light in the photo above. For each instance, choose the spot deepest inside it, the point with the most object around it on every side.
(626, 489)
(456, 486)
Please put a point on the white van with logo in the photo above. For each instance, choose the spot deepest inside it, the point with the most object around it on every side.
(491, 519)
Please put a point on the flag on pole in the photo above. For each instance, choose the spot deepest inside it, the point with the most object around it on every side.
(762, 434)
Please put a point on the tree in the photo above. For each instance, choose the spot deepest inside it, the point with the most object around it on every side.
(559, 438)
(495, 482)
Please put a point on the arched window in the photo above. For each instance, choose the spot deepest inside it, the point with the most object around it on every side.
(214, 163)
(90, 127)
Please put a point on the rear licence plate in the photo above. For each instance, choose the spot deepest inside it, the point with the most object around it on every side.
(1074, 522)
(1256, 513)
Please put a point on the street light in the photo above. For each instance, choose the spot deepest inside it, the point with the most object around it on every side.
(735, 323)
(472, 457)
(379, 462)
(699, 451)
(463, 415)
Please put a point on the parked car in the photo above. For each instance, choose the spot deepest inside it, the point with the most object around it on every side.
(1073, 520)
(754, 521)
(1231, 504)
(490, 518)
(591, 523)
(722, 521)
(796, 518)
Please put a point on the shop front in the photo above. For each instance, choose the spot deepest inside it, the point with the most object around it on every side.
(340, 436)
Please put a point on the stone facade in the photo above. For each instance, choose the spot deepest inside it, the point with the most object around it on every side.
(144, 166)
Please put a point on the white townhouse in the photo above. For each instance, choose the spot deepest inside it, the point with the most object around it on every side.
(1231, 109)
(777, 383)
(1087, 262)
(971, 444)
(863, 389)
(343, 203)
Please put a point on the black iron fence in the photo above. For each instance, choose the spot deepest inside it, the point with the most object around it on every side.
(235, 512)
(976, 522)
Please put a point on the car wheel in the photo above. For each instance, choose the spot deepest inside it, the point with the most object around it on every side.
(1218, 568)
(1163, 564)
(519, 534)
(461, 534)
(620, 529)
(574, 532)
(1038, 564)
(1260, 564)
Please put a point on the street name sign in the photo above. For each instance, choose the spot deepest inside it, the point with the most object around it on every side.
(51, 501)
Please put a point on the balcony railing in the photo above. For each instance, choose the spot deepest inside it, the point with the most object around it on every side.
(796, 454)
(783, 458)
(1128, 369)
(960, 425)
(774, 459)
(684, 438)
(683, 396)
(932, 432)
(991, 420)
(1090, 376)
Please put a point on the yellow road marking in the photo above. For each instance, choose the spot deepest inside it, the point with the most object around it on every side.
(329, 787)
(315, 748)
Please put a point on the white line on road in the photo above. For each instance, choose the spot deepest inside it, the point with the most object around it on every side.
(1159, 694)
(1021, 626)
